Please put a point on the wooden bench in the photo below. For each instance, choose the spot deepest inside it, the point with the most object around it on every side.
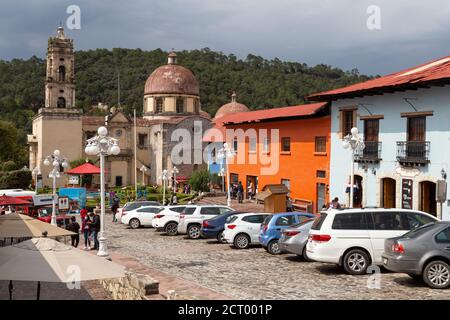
(302, 205)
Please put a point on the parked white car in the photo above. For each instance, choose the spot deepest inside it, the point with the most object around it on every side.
(132, 206)
(242, 230)
(167, 220)
(142, 216)
(354, 238)
(192, 217)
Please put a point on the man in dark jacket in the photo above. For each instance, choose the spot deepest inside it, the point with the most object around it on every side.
(95, 228)
(74, 226)
(240, 192)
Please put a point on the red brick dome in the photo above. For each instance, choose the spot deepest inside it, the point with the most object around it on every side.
(172, 79)
(231, 107)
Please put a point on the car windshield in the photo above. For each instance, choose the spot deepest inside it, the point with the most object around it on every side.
(418, 231)
(303, 223)
(319, 221)
(231, 219)
(267, 220)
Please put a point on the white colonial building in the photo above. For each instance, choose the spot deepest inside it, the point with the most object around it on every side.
(404, 119)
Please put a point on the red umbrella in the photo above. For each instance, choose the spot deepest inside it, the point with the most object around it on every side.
(12, 201)
(85, 168)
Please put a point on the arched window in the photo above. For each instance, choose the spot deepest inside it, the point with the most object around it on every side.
(180, 105)
(61, 102)
(62, 73)
(159, 105)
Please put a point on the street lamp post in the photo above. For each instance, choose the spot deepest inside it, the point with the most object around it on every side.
(143, 170)
(164, 177)
(56, 160)
(227, 153)
(222, 174)
(102, 145)
(36, 172)
(354, 141)
(175, 171)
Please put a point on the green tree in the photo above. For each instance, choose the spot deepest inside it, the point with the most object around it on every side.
(199, 180)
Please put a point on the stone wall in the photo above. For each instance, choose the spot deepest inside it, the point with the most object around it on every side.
(133, 286)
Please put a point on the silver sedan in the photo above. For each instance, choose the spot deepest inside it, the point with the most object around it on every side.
(294, 239)
(423, 253)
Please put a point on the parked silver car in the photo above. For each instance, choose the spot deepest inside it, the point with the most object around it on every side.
(423, 253)
(294, 239)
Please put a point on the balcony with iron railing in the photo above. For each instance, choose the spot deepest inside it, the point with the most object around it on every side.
(370, 154)
(413, 153)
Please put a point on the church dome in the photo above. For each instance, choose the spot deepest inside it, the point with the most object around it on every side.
(231, 107)
(172, 79)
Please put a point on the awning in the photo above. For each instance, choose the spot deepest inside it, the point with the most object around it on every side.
(13, 201)
(85, 168)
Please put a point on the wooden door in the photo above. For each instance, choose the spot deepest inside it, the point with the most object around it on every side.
(428, 197)
(416, 129)
(416, 136)
(388, 193)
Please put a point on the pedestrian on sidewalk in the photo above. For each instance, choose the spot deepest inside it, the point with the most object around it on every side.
(174, 199)
(85, 222)
(74, 226)
(115, 206)
(240, 192)
(94, 226)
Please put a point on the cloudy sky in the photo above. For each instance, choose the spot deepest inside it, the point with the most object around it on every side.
(333, 32)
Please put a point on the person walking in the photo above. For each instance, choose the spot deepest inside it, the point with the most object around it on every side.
(289, 206)
(115, 206)
(174, 199)
(85, 222)
(95, 228)
(250, 190)
(240, 192)
(74, 226)
(335, 204)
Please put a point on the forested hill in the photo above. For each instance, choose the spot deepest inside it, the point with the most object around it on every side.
(259, 83)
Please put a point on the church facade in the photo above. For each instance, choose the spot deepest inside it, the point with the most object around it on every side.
(171, 101)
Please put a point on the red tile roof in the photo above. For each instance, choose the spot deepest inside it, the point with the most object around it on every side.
(434, 72)
(273, 114)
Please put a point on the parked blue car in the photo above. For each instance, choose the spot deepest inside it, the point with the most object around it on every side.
(213, 228)
(274, 224)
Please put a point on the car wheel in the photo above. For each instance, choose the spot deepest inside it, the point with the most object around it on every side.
(171, 229)
(220, 237)
(356, 262)
(274, 247)
(135, 223)
(437, 274)
(193, 231)
(305, 255)
(241, 241)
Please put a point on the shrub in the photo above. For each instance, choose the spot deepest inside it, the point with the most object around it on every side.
(9, 166)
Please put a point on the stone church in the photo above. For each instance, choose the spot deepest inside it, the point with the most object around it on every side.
(171, 101)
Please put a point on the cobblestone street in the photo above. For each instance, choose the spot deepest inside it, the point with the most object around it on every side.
(253, 273)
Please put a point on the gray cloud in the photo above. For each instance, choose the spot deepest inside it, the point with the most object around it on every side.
(312, 31)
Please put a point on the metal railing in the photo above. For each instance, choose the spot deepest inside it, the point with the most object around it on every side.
(370, 153)
(413, 152)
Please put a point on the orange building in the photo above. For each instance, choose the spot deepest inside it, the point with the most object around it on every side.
(289, 145)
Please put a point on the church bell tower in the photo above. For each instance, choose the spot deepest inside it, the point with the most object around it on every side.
(60, 81)
(58, 124)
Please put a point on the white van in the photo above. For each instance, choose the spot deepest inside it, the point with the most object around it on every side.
(354, 238)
